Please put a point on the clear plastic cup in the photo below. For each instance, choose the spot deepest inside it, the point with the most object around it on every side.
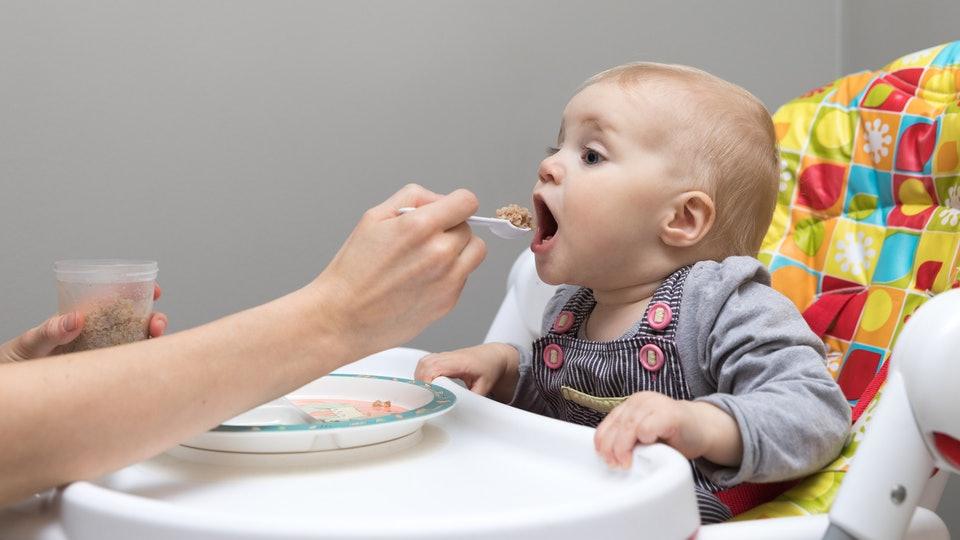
(114, 295)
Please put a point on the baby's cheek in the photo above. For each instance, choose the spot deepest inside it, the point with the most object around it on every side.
(602, 237)
(587, 203)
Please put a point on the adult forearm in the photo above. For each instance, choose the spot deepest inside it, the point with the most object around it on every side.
(117, 406)
(103, 409)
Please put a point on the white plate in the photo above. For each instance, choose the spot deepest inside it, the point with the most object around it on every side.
(283, 427)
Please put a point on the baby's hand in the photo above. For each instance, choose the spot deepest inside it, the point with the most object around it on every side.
(645, 418)
(491, 367)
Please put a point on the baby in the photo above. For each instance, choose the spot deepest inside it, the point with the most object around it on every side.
(650, 211)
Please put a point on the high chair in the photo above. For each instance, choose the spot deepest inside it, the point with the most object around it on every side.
(865, 231)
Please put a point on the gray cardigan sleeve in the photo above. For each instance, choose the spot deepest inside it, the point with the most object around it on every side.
(527, 396)
(760, 363)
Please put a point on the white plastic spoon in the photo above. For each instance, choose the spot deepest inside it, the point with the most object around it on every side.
(500, 227)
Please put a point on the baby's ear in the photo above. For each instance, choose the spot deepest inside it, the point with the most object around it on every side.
(690, 218)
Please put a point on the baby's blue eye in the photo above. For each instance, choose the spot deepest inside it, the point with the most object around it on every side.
(591, 157)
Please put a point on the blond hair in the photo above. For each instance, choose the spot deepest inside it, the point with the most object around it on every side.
(724, 144)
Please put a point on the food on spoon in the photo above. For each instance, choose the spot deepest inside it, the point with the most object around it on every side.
(517, 215)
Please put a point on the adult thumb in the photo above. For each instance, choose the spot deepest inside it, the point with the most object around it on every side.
(41, 340)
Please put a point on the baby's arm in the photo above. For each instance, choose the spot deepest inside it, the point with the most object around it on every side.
(696, 429)
(770, 410)
(724, 444)
(767, 372)
(500, 370)
(490, 368)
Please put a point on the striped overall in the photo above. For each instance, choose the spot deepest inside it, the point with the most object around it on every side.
(583, 380)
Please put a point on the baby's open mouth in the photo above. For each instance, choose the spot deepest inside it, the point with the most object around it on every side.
(547, 226)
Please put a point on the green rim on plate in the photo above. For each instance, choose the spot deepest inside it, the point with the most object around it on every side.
(442, 399)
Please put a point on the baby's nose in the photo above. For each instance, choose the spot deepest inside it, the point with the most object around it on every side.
(550, 171)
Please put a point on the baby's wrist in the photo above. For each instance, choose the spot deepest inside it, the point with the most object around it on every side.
(508, 353)
(695, 428)
(718, 432)
(508, 360)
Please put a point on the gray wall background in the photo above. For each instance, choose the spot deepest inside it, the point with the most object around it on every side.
(237, 142)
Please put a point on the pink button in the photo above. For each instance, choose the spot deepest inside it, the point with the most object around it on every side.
(564, 322)
(659, 315)
(651, 357)
(553, 356)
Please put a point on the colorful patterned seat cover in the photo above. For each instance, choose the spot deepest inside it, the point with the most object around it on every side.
(867, 224)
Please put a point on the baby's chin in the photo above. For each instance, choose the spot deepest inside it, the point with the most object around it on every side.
(549, 273)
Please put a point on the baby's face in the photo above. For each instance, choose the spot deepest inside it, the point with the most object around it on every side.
(601, 196)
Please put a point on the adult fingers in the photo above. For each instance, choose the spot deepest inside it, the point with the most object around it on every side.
(468, 261)
(410, 195)
(41, 340)
(446, 212)
(156, 291)
(450, 244)
(157, 325)
(453, 209)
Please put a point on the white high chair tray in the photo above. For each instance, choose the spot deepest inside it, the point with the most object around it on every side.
(484, 470)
